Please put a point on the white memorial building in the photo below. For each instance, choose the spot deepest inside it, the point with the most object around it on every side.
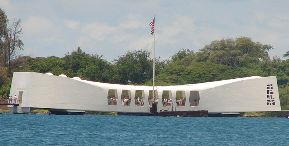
(47, 91)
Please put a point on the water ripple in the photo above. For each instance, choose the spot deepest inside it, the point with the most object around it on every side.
(137, 130)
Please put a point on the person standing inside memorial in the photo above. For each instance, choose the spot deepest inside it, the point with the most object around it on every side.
(14, 99)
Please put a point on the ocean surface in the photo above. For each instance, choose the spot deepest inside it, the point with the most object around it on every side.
(141, 130)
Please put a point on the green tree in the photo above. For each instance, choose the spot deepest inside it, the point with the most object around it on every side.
(284, 97)
(3, 33)
(51, 64)
(183, 53)
(9, 44)
(13, 43)
(235, 52)
(195, 72)
(5, 82)
(10, 41)
(135, 67)
(97, 69)
(75, 61)
(90, 67)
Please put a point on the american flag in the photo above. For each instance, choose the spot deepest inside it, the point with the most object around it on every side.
(152, 25)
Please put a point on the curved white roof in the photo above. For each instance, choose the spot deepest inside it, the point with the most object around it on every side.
(199, 86)
(62, 75)
(49, 73)
(76, 78)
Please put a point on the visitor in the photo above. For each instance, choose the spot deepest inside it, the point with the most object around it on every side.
(14, 99)
(170, 102)
(10, 100)
(110, 100)
(184, 101)
(165, 102)
(126, 100)
(114, 100)
(178, 102)
(156, 100)
(138, 101)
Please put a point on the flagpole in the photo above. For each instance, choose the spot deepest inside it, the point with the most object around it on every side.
(154, 45)
(152, 26)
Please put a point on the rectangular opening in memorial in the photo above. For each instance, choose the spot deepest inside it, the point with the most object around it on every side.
(194, 98)
(125, 97)
(139, 98)
(112, 97)
(166, 98)
(181, 98)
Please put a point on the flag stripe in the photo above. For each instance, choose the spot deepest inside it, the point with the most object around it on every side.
(152, 25)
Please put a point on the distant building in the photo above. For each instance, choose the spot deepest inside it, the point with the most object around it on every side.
(250, 94)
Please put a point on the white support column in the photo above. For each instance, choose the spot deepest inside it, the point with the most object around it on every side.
(159, 96)
(146, 97)
(173, 97)
(174, 105)
(187, 93)
(132, 97)
(119, 102)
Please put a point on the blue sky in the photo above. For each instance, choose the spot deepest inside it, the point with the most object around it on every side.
(113, 27)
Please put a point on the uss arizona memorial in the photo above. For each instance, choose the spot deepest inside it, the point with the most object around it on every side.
(47, 91)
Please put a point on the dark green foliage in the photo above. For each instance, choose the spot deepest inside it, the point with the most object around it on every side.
(284, 96)
(5, 82)
(3, 24)
(235, 52)
(78, 63)
(135, 67)
(194, 72)
(49, 64)
(3, 32)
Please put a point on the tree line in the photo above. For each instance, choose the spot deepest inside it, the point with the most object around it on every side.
(219, 60)
(10, 43)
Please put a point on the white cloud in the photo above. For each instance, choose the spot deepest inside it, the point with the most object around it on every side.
(141, 43)
(116, 25)
(72, 24)
(105, 33)
(179, 25)
(175, 32)
(4, 3)
(36, 25)
(132, 23)
(98, 31)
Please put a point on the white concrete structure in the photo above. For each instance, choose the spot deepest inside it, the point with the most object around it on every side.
(36, 90)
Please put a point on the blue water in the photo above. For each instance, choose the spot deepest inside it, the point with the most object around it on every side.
(138, 130)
